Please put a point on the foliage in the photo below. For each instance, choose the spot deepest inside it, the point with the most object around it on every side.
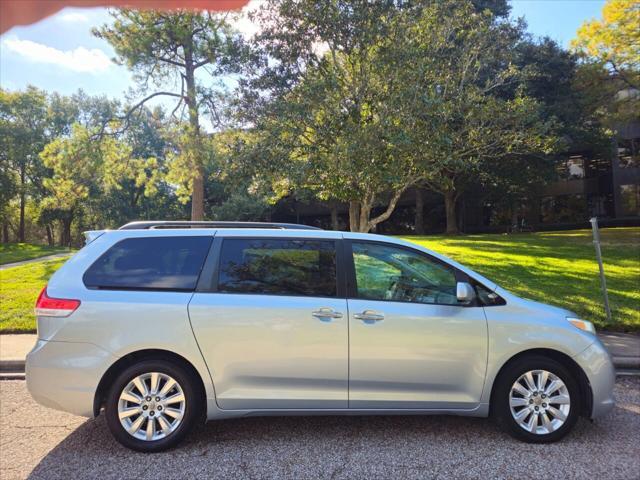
(168, 50)
(614, 40)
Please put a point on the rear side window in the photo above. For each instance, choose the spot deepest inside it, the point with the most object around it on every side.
(278, 267)
(154, 263)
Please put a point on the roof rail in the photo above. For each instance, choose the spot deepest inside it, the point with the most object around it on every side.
(150, 225)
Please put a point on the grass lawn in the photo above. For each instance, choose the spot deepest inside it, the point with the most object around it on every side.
(553, 267)
(558, 268)
(16, 252)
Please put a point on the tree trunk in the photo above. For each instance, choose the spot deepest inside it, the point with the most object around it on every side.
(49, 235)
(335, 225)
(197, 196)
(65, 237)
(354, 216)
(21, 236)
(450, 198)
(419, 223)
(5, 232)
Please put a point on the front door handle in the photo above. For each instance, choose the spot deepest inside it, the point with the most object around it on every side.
(369, 316)
(326, 314)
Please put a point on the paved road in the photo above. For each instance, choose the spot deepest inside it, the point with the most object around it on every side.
(53, 256)
(36, 442)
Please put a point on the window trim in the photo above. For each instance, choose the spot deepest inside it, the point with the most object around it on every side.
(146, 289)
(352, 291)
(212, 266)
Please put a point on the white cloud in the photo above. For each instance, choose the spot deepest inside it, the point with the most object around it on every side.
(74, 17)
(245, 26)
(79, 59)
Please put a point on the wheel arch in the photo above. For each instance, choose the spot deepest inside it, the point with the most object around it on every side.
(586, 395)
(136, 357)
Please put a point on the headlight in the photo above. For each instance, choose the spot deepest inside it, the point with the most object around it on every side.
(582, 324)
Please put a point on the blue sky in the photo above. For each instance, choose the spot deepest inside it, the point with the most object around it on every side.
(60, 54)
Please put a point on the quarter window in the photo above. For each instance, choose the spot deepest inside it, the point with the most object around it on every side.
(396, 274)
(278, 267)
(152, 263)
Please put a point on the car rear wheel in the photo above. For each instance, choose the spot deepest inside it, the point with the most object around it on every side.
(537, 400)
(152, 406)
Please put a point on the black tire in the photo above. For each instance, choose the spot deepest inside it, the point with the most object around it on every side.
(501, 409)
(192, 404)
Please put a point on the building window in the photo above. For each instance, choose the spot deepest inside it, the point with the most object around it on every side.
(630, 199)
(629, 153)
(563, 209)
(571, 168)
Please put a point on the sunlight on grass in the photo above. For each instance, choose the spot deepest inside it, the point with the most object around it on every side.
(17, 252)
(559, 268)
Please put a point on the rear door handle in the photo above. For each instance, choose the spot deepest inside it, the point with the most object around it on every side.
(369, 316)
(326, 314)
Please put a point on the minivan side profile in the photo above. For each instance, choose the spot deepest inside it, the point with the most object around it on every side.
(160, 325)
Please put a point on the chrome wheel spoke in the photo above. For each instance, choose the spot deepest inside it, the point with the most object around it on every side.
(141, 386)
(169, 384)
(528, 378)
(164, 425)
(172, 412)
(178, 397)
(543, 377)
(554, 386)
(131, 397)
(151, 428)
(128, 412)
(520, 389)
(560, 400)
(135, 426)
(546, 423)
(533, 422)
(518, 402)
(155, 378)
(557, 413)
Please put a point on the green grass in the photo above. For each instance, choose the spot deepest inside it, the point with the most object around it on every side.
(558, 268)
(17, 252)
(553, 267)
(19, 288)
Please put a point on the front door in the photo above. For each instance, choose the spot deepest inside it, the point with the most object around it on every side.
(274, 330)
(412, 345)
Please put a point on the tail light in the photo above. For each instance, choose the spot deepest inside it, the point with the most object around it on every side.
(54, 307)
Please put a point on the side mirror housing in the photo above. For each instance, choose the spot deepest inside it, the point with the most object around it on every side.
(465, 292)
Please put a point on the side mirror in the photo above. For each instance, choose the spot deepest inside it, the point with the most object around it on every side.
(465, 292)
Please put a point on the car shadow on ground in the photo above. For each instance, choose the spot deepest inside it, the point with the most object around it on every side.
(357, 447)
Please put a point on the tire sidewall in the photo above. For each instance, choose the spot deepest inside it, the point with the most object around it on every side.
(507, 379)
(191, 405)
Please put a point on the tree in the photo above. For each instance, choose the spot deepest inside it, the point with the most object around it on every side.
(23, 118)
(320, 105)
(180, 48)
(615, 40)
(460, 99)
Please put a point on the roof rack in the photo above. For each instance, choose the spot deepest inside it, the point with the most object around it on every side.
(151, 225)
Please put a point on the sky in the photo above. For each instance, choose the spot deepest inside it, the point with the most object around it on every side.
(60, 53)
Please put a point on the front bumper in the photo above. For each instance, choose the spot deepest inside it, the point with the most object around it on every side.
(65, 375)
(598, 367)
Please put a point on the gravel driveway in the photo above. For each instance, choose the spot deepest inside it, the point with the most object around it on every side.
(36, 442)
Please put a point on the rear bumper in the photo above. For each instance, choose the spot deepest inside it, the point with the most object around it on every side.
(598, 367)
(65, 375)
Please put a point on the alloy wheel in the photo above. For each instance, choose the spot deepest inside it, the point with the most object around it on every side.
(151, 406)
(539, 402)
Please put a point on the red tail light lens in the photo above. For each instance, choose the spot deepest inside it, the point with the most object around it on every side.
(54, 307)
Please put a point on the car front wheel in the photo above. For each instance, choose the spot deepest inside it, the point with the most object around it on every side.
(537, 400)
(151, 406)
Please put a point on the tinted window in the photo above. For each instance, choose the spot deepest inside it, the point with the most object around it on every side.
(282, 267)
(396, 274)
(164, 263)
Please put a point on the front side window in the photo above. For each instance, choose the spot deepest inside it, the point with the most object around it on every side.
(151, 263)
(384, 272)
(278, 267)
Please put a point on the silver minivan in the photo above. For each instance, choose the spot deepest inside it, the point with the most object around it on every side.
(161, 325)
